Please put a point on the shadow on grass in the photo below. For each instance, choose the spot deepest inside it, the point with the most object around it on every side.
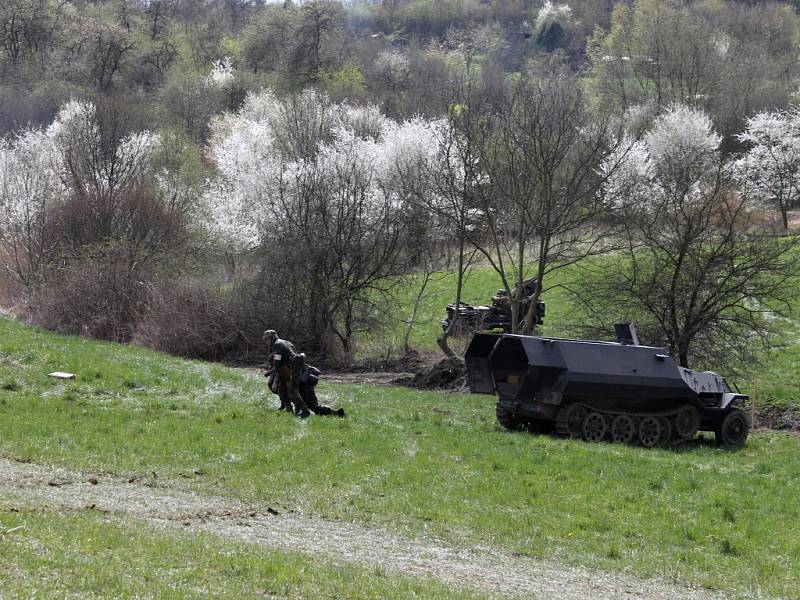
(699, 443)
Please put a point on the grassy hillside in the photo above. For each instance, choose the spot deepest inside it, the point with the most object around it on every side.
(776, 378)
(417, 463)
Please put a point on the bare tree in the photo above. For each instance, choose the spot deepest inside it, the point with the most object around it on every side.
(430, 267)
(267, 39)
(97, 51)
(443, 188)
(319, 26)
(25, 26)
(540, 199)
(446, 185)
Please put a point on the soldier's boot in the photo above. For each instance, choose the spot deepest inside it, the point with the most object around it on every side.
(285, 403)
(300, 408)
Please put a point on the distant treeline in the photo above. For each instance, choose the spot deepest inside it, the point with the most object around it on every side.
(730, 57)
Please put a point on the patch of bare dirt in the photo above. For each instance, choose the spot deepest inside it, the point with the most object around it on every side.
(367, 378)
(415, 369)
(779, 418)
(447, 374)
(166, 505)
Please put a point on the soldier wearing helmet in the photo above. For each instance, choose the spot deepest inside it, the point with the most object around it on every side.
(292, 379)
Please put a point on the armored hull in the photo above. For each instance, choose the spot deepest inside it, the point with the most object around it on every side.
(615, 391)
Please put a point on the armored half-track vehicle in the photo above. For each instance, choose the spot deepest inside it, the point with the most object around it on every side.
(618, 391)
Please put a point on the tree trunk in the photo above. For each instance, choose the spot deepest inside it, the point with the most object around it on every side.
(514, 312)
(442, 342)
(529, 324)
(442, 339)
(683, 355)
(413, 318)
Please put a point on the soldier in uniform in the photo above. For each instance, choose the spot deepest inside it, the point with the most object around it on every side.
(283, 373)
(292, 379)
(308, 381)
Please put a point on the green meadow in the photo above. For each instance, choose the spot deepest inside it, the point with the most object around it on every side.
(412, 462)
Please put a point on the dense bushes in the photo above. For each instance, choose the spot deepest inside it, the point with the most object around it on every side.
(189, 318)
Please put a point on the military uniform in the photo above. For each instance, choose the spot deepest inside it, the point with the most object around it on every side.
(287, 368)
(308, 380)
(295, 380)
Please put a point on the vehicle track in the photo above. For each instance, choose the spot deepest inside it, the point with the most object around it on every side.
(168, 504)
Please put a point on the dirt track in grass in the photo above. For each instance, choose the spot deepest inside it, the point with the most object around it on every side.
(165, 504)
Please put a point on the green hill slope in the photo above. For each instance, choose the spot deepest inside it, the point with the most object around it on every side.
(418, 463)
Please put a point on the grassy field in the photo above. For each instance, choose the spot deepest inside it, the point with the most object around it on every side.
(479, 287)
(776, 379)
(413, 462)
(85, 554)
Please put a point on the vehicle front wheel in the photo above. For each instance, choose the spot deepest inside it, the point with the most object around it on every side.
(508, 419)
(732, 430)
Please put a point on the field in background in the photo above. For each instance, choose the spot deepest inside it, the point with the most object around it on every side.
(415, 463)
(479, 287)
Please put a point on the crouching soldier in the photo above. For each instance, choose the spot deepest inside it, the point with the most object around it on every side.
(309, 377)
(292, 379)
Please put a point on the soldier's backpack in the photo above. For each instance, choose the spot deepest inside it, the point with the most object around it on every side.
(309, 374)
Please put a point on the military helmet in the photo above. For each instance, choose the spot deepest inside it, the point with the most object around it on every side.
(269, 335)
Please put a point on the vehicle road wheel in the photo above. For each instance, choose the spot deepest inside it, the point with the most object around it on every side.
(508, 419)
(732, 431)
(666, 431)
(594, 427)
(623, 429)
(687, 422)
(650, 431)
(575, 415)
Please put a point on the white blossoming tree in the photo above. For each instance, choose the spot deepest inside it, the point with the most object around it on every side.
(552, 13)
(695, 273)
(673, 157)
(222, 73)
(101, 159)
(31, 190)
(40, 170)
(313, 187)
(770, 169)
(85, 195)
